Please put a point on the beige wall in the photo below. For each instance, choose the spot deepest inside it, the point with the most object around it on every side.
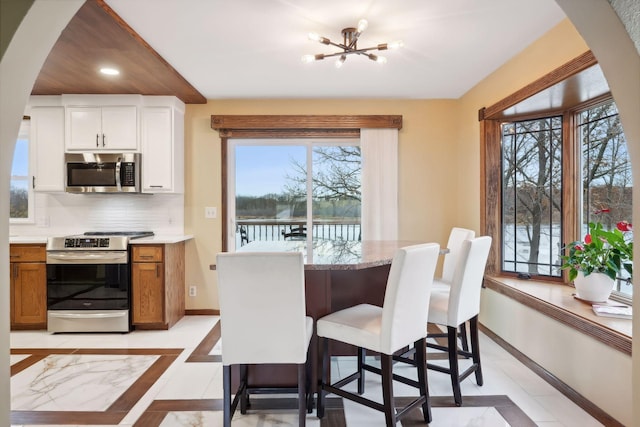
(439, 154)
(427, 180)
(557, 47)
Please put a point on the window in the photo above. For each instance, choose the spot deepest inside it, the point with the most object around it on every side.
(378, 135)
(547, 175)
(606, 182)
(532, 196)
(20, 193)
(277, 183)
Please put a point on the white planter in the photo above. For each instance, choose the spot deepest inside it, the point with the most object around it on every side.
(596, 287)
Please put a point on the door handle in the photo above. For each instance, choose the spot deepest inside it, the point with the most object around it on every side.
(97, 143)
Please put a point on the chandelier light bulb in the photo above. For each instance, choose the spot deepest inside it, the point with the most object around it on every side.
(362, 25)
(381, 60)
(314, 36)
(307, 59)
(311, 58)
(341, 60)
(395, 44)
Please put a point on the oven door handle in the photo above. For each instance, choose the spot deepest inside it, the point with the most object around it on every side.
(102, 315)
(87, 258)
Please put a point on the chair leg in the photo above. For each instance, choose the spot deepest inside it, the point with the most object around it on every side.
(361, 360)
(244, 397)
(387, 389)
(302, 394)
(324, 345)
(453, 363)
(463, 336)
(308, 367)
(421, 364)
(226, 385)
(475, 349)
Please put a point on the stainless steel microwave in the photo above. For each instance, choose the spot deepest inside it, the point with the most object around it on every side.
(102, 172)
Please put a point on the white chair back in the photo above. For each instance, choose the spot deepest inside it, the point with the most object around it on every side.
(407, 294)
(464, 297)
(456, 237)
(262, 307)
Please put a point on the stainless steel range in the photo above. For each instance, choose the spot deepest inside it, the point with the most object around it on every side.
(89, 282)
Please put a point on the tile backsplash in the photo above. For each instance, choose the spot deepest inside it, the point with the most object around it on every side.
(63, 214)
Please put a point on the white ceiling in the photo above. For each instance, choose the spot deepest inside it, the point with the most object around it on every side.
(253, 48)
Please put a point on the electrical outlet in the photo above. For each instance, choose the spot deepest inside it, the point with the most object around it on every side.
(210, 212)
(192, 291)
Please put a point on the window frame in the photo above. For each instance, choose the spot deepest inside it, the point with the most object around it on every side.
(288, 126)
(491, 119)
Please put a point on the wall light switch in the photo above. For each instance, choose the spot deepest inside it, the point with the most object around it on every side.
(210, 212)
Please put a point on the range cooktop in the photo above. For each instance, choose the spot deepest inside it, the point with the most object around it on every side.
(129, 234)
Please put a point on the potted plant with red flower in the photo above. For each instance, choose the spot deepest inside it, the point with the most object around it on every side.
(597, 261)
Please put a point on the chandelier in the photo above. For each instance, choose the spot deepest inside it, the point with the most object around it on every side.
(349, 46)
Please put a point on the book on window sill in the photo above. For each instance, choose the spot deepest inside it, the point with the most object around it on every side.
(619, 311)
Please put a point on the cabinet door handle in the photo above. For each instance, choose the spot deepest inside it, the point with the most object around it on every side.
(103, 139)
(14, 256)
(157, 270)
(15, 271)
(146, 256)
(156, 186)
(97, 143)
(33, 182)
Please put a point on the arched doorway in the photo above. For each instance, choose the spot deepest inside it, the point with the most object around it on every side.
(46, 19)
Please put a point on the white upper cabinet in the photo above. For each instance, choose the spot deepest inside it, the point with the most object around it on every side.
(106, 128)
(162, 135)
(47, 139)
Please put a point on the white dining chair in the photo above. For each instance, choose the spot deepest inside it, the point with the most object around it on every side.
(457, 235)
(400, 322)
(262, 315)
(455, 306)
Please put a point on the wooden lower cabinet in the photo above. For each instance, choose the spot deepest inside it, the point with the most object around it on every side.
(28, 287)
(157, 285)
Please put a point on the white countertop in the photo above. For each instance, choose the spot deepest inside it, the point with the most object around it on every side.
(161, 239)
(27, 239)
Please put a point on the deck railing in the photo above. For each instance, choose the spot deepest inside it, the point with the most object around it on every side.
(270, 230)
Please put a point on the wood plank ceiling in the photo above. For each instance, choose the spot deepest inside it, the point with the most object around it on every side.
(97, 37)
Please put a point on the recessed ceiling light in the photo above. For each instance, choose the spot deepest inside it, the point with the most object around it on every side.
(109, 71)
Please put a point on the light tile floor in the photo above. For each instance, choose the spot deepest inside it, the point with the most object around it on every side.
(93, 382)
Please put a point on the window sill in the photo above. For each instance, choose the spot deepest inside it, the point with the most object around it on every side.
(556, 301)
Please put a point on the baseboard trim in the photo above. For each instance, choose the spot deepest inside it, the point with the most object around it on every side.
(202, 312)
(593, 410)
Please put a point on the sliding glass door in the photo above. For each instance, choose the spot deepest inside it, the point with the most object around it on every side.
(293, 190)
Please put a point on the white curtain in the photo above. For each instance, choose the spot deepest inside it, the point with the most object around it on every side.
(379, 184)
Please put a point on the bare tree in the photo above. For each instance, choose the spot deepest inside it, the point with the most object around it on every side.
(336, 174)
(532, 173)
(606, 176)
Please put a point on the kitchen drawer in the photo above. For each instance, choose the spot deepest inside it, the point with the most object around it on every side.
(148, 253)
(27, 253)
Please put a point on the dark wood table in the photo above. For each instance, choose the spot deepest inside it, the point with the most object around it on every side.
(338, 274)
